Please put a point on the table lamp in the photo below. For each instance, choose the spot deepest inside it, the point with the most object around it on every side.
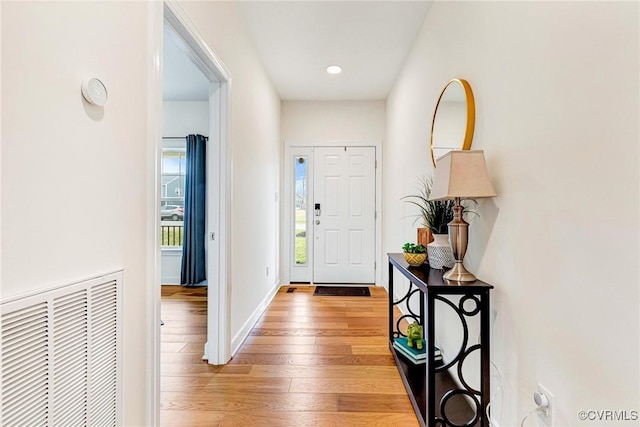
(460, 175)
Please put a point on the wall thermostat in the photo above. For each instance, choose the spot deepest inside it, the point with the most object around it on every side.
(94, 92)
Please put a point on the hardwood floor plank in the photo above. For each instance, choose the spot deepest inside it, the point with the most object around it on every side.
(327, 371)
(371, 349)
(319, 332)
(233, 384)
(375, 340)
(203, 369)
(194, 347)
(302, 325)
(311, 359)
(374, 403)
(184, 338)
(189, 329)
(251, 402)
(171, 347)
(253, 339)
(189, 358)
(324, 419)
(295, 349)
(348, 385)
(191, 418)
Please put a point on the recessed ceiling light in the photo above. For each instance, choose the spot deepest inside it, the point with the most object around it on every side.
(334, 69)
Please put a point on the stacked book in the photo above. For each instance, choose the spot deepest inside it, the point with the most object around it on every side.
(414, 355)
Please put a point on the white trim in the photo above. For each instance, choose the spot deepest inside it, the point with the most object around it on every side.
(189, 39)
(290, 147)
(289, 244)
(243, 333)
(153, 231)
(58, 286)
(225, 168)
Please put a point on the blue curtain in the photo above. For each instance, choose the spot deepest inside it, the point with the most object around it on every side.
(193, 257)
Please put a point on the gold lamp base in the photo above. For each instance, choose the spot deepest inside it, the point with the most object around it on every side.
(458, 239)
(459, 274)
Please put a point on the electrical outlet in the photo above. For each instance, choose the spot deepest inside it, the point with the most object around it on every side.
(546, 415)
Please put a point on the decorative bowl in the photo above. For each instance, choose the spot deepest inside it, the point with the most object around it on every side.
(415, 260)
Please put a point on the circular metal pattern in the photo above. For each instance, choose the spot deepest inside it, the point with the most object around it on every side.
(465, 336)
(411, 291)
(406, 316)
(466, 298)
(411, 294)
(448, 396)
(462, 359)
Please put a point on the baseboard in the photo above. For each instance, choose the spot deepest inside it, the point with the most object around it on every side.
(242, 335)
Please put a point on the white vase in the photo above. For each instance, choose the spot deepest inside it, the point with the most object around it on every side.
(440, 253)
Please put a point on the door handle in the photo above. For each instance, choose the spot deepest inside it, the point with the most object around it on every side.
(317, 208)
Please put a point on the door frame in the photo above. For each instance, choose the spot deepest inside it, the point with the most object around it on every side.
(217, 348)
(287, 204)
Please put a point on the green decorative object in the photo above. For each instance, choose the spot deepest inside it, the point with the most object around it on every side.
(414, 334)
(415, 255)
(434, 214)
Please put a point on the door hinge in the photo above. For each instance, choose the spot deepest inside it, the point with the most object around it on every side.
(375, 214)
(213, 235)
(375, 265)
(375, 164)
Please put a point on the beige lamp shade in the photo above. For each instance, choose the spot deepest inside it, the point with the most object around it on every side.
(461, 174)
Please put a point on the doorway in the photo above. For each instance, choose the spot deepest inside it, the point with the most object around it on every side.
(331, 202)
(186, 38)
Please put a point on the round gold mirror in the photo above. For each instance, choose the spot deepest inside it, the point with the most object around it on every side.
(453, 119)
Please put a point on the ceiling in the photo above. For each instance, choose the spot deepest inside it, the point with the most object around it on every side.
(298, 40)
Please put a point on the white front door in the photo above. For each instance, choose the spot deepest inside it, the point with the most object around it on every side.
(343, 213)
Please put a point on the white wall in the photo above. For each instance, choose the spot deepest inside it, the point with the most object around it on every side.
(556, 89)
(322, 121)
(180, 119)
(184, 118)
(75, 176)
(256, 156)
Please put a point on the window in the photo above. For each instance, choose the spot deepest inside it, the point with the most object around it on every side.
(174, 171)
(300, 214)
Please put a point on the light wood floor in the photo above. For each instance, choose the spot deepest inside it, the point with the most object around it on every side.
(310, 361)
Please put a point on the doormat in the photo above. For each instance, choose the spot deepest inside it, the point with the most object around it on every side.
(342, 291)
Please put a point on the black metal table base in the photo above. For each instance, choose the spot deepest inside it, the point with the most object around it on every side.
(436, 397)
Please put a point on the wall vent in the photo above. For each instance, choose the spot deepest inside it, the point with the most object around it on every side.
(61, 356)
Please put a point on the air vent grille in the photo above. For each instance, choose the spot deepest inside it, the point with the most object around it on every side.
(61, 356)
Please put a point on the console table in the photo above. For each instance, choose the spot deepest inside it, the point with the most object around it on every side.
(435, 396)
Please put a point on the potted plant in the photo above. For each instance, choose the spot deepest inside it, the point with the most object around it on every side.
(434, 215)
(415, 255)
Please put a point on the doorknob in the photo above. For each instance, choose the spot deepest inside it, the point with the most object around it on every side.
(317, 222)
